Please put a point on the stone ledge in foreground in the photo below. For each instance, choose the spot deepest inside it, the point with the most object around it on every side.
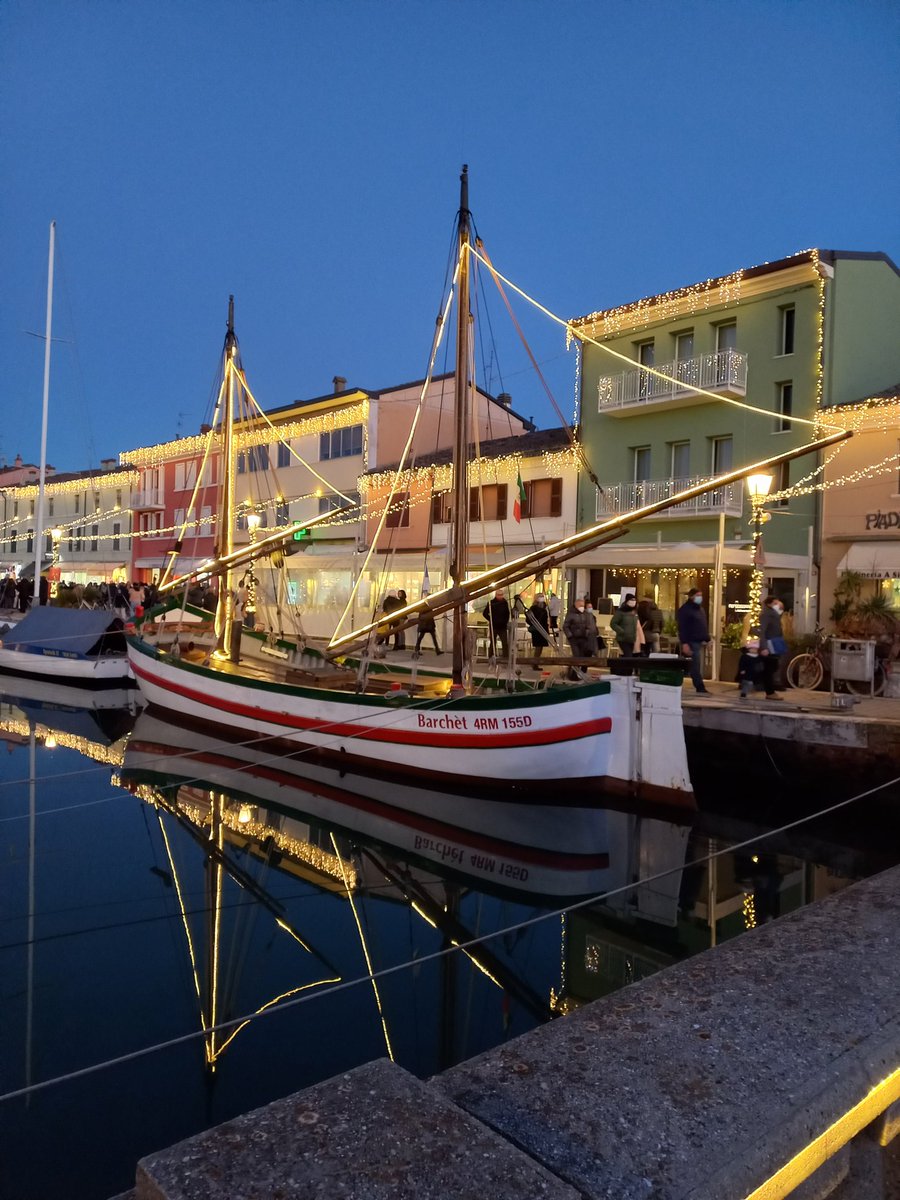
(376, 1133)
(703, 1080)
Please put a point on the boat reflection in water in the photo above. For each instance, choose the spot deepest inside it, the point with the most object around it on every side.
(94, 723)
(368, 839)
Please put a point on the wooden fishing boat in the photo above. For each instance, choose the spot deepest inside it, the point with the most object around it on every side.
(589, 737)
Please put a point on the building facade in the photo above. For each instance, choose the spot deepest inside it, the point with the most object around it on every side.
(770, 347)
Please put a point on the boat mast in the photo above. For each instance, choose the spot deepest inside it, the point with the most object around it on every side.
(460, 511)
(225, 609)
(39, 522)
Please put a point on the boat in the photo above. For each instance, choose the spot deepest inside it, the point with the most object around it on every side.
(525, 845)
(590, 738)
(83, 647)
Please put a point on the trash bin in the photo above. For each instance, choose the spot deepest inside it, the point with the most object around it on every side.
(853, 660)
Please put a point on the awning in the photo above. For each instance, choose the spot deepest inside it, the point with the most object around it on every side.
(873, 560)
(66, 632)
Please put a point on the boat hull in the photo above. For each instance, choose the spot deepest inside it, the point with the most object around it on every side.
(590, 737)
(111, 672)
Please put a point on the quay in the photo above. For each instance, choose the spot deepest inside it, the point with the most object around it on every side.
(767, 1067)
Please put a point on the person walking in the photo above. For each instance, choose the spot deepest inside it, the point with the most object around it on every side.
(651, 619)
(390, 604)
(537, 619)
(624, 625)
(771, 643)
(749, 667)
(595, 641)
(400, 634)
(426, 625)
(497, 614)
(554, 608)
(576, 627)
(693, 634)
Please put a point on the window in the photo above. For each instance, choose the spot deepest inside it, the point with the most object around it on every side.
(646, 356)
(178, 521)
(77, 504)
(48, 544)
(79, 538)
(543, 498)
(50, 507)
(640, 463)
(488, 503)
(341, 443)
(119, 498)
(785, 402)
(440, 508)
(283, 454)
(205, 529)
(282, 513)
(117, 529)
(185, 475)
(726, 344)
(783, 482)
(254, 459)
(12, 542)
(31, 508)
(329, 503)
(15, 508)
(786, 336)
(686, 370)
(95, 529)
(680, 463)
(722, 455)
(398, 517)
(29, 544)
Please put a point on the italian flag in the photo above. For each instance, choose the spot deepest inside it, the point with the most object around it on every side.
(519, 502)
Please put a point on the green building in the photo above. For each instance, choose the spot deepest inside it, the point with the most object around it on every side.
(789, 338)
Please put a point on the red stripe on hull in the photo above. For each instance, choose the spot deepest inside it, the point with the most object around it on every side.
(538, 737)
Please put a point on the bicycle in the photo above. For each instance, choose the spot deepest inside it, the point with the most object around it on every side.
(809, 669)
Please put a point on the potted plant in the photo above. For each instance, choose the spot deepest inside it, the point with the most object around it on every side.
(730, 650)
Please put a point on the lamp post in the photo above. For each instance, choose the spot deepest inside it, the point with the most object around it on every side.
(758, 487)
(253, 523)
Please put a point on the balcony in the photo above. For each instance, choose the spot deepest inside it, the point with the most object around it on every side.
(724, 373)
(618, 498)
(150, 498)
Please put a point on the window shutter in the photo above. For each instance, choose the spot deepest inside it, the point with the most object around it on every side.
(556, 497)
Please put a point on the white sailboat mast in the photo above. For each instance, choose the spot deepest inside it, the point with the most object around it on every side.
(39, 522)
(460, 511)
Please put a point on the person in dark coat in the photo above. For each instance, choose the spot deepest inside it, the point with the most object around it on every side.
(577, 628)
(400, 634)
(771, 643)
(749, 667)
(693, 633)
(25, 590)
(651, 619)
(538, 621)
(390, 604)
(624, 625)
(426, 625)
(497, 613)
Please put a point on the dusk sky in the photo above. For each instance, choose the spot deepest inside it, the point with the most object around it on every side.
(305, 157)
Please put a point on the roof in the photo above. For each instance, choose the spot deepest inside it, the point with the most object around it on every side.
(372, 394)
(706, 285)
(72, 631)
(525, 445)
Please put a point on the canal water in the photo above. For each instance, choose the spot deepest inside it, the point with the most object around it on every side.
(188, 925)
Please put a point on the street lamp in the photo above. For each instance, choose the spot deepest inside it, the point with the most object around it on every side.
(254, 521)
(758, 487)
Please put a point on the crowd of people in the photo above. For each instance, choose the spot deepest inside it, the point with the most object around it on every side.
(124, 598)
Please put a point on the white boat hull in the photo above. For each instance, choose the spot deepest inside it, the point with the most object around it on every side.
(623, 735)
(112, 671)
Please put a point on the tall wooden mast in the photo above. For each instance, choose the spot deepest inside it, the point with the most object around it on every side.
(460, 513)
(225, 522)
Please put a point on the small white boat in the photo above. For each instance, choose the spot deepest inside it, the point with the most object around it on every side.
(84, 647)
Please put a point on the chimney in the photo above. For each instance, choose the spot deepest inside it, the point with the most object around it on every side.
(107, 464)
(340, 384)
(505, 399)
(205, 428)
(18, 461)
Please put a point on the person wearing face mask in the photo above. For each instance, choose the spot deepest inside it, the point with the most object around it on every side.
(693, 633)
(577, 628)
(771, 643)
(624, 625)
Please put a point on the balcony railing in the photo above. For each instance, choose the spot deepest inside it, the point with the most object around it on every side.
(618, 498)
(724, 373)
(151, 498)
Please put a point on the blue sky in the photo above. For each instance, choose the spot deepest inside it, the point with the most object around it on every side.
(305, 157)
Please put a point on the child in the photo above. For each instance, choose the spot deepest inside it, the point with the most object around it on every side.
(749, 666)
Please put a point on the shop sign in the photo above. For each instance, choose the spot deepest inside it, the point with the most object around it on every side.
(883, 520)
